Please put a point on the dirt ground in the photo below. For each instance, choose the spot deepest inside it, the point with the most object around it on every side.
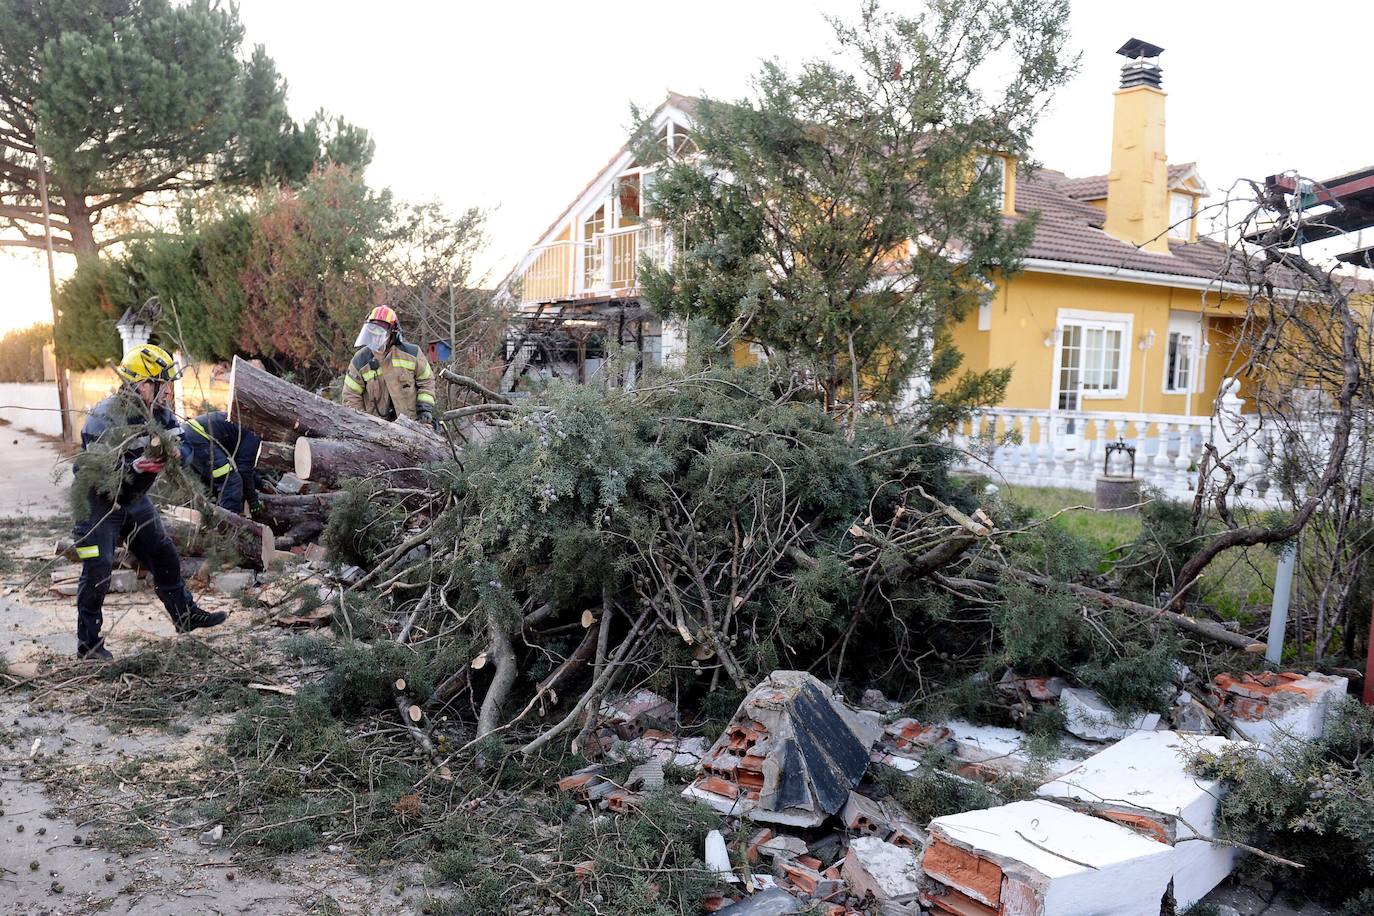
(63, 804)
(30, 469)
(88, 823)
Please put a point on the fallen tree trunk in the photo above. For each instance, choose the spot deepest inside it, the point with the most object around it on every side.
(299, 518)
(275, 456)
(250, 543)
(281, 412)
(328, 461)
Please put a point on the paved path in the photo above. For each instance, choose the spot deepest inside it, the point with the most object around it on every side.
(34, 477)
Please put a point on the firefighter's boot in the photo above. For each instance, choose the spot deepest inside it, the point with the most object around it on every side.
(185, 613)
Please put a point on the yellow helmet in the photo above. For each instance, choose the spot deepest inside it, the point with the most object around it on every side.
(146, 363)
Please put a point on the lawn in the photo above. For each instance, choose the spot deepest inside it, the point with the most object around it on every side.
(1107, 530)
(1238, 585)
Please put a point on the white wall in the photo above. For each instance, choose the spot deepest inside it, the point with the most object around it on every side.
(32, 406)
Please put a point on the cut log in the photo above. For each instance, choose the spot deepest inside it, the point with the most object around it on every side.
(275, 456)
(327, 461)
(300, 519)
(281, 412)
(250, 543)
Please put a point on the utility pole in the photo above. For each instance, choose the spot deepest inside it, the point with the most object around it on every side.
(63, 397)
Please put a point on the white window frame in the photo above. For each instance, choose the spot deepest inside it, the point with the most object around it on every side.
(1178, 227)
(1185, 326)
(999, 162)
(1114, 321)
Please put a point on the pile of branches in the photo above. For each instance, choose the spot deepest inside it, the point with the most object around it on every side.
(705, 528)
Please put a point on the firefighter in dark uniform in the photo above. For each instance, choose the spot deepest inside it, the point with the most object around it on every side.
(224, 456)
(129, 429)
(388, 377)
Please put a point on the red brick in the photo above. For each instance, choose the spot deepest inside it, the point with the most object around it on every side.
(963, 871)
(757, 840)
(961, 905)
(1142, 824)
(718, 786)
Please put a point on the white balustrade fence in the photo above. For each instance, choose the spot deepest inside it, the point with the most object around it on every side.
(1068, 449)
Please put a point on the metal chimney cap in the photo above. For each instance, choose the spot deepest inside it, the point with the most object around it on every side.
(1136, 48)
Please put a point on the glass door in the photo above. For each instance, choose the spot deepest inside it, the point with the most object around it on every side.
(1070, 381)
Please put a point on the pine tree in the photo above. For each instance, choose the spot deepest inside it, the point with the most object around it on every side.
(132, 99)
(794, 208)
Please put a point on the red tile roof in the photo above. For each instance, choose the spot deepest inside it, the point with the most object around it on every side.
(1070, 230)
(1094, 187)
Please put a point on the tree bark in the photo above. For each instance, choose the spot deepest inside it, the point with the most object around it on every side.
(280, 412)
(276, 456)
(300, 519)
(329, 461)
(251, 543)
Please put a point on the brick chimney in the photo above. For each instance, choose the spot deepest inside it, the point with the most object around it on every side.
(1138, 183)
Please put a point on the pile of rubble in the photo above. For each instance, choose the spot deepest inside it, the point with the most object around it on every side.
(1118, 826)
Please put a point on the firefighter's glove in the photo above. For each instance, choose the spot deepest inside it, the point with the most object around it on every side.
(146, 465)
(427, 417)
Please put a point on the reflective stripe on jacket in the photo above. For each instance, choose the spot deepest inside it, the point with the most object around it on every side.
(396, 383)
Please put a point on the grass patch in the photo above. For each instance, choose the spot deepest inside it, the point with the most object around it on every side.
(1106, 531)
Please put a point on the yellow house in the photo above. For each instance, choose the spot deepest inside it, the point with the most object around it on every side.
(1121, 324)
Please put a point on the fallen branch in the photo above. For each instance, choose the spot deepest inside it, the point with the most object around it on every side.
(474, 386)
(1204, 628)
(597, 687)
(396, 554)
(472, 409)
(452, 685)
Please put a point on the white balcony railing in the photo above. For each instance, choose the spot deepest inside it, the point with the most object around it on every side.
(604, 265)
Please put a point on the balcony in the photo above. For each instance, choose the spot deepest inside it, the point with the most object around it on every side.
(607, 266)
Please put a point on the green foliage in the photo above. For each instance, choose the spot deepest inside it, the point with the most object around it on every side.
(286, 276)
(1168, 537)
(591, 490)
(361, 527)
(145, 98)
(1052, 633)
(1312, 802)
(932, 791)
(90, 303)
(835, 167)
(21, 353)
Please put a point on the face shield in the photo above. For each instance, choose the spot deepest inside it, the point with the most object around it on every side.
(373, 336)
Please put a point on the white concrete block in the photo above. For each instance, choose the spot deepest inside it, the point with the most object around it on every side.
(1005, 750)
(891, 873)
(1143, 781)
(1053, 861)
(1087, 715)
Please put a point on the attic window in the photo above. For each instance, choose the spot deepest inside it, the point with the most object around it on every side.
(996, 166)
(675, 138)
(1180, 215)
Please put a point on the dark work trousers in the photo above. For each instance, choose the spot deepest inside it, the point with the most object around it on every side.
(138, 526)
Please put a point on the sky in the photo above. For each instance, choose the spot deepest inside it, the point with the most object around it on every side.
(515, 106)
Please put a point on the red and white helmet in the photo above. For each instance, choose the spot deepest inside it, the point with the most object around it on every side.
(385, 316)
